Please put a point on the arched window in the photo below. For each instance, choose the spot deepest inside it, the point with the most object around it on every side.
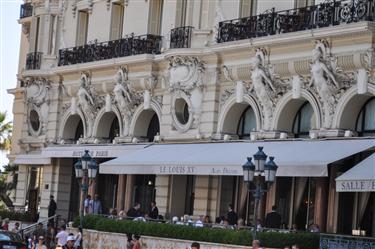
(365, 125)
(246, 124)
(153, 128)
(303, 120)
(79, 131)
(114, 130)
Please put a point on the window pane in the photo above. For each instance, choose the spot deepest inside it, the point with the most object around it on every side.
(306, 117)
(370, 115)
(359, 122)
(250, 123)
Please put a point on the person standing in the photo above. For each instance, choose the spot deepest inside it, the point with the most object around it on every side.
(256, 244)
(87, 205)
(231, 215)
(52, 206)
(96, 205)
(195, 245)
(273, 219)
(154, 211)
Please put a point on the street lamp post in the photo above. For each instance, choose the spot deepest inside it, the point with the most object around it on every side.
(260, 174)
(86, 169)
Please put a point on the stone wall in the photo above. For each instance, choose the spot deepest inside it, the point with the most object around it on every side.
(103, 240)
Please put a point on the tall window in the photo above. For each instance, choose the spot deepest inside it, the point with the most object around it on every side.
(34, 37)
(366, 119)
(83, 23)
(181, 13)
(303, 120)
(246, 124)
(155, 17)
(52, 34)
(117, 21)
(304, 3)
(247, 8)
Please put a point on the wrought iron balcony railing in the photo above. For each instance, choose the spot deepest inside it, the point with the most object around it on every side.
(181, 37)
(33, 60)
(26, 10)
(130, 45)
(328, 13)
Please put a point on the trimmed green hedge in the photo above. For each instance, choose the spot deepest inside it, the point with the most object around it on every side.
(12, 215)
(222, 236)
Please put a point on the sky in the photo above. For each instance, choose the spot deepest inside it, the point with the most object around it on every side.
(10, 33)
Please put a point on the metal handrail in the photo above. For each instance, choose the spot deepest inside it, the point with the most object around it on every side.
(31, 228)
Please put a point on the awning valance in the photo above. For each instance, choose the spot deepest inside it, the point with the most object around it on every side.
(32, 159)
(295, 158)
(360, 178)
(96, 151)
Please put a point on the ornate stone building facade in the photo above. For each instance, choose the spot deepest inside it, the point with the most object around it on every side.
(90, 79)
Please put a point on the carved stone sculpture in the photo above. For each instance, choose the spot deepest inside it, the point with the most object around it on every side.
(184, 78)
(125, 99)
(324, 80)
(263, 87)
(37, 99)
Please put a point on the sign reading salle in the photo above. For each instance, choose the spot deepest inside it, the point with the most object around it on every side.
(355, 186)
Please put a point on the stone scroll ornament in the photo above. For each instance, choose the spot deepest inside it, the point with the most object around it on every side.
(125, 98)
(328, 80)
(37, 99)
(185, 80)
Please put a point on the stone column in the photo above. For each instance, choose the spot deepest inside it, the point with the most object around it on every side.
(121, 188)
(21, 188)
(320, 204)
(202, 184)
(271, 197)
(162, 195)
(333, 200)
(130, 179)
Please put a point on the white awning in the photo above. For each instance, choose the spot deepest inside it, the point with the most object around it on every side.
(360, 178)
(32, 159)
(295, 158)
(96, 151)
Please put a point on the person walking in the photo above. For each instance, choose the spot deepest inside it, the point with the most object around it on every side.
(154, 211)
(52, 206)
(6, 224)
(231, 216)
(273, 219)
(136, 242)
(62, 236)
(78, 239)
(69, 242)
(96, 205)
(40, 244)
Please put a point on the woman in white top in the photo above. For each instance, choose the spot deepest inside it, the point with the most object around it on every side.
(40, 244)
(78, 238)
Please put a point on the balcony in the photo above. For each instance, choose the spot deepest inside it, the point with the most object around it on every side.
(130, 45)
(329, 13)
(181, 37)
(26, 10)
(33, 60)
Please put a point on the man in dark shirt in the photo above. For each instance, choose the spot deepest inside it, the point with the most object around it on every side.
(52, 206)
(273, 219)
(135, 211)
(154, 211)
(231, 216)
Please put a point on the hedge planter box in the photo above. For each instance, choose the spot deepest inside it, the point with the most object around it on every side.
(104, 240)
(224, 238)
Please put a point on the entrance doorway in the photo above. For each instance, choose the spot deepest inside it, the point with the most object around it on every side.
(144, 191)
(182, 195)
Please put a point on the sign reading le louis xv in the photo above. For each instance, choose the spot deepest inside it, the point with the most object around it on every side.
(355, 186)
(197, 170)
